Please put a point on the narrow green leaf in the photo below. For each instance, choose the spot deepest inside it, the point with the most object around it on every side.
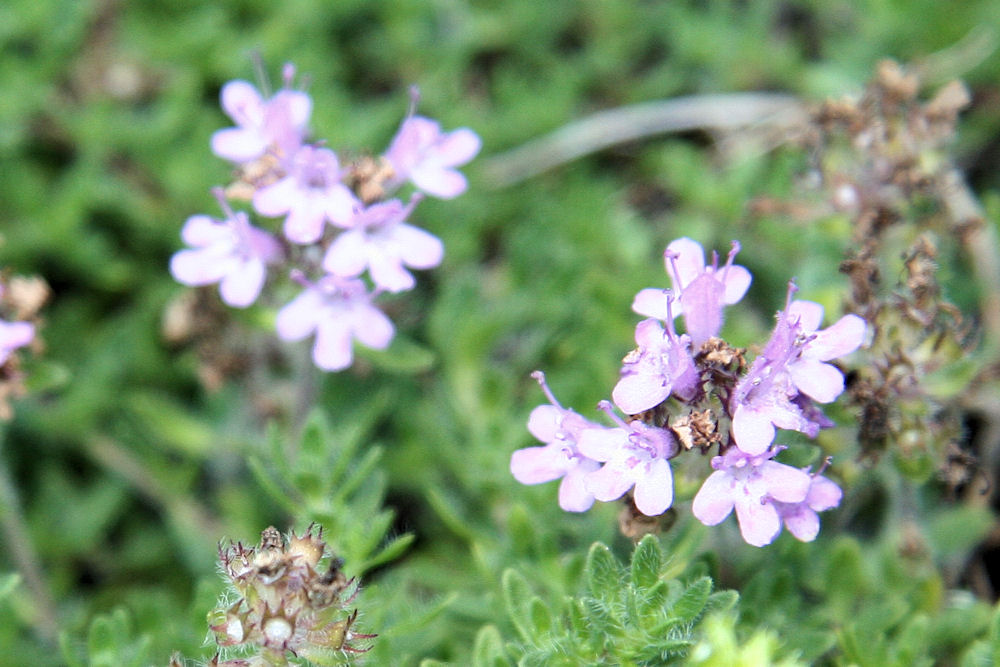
(102, 642)
(523, 535)
(393, 549)
(69, 651)
(602, 573)
(692, 602)
(402, 356)
(271, 487)
(488, 649)
(541, 617)
(517, 597)
(646, 562)
(721, 601)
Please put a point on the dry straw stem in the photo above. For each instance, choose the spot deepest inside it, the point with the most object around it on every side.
(721, 112)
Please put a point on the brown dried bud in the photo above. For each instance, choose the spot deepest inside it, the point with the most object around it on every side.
(698, 429)
(717, 352)
(368, 176)
(897, 84)
(633, 524)
(948, 101)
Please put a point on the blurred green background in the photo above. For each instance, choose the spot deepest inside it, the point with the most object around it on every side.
(129, 470)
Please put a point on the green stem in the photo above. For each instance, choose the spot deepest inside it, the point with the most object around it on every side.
(18, 543)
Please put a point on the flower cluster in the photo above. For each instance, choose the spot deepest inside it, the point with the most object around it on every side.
(287, 604)
(336, 229)
(693, 391)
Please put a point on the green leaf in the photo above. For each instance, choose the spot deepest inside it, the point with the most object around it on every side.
(646, 562)
(392, 550)
(271, 487)
(403, 355)
(488, 649)
(602, 573)
(692, 603)
(541, 617)
(517, 596)
(522, 531)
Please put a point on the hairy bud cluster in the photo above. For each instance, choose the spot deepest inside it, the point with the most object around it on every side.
(288, 604)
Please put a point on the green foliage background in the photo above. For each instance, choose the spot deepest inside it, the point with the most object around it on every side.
(129, 472)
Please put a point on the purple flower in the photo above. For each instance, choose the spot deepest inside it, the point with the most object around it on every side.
(230, 252)
(277, 124)
(634, 454)
(378, 238)
(17, 334)
(790, 368)
(703, 290)
(423, 154)
(753, 485)
(661, 365)
(801, 518)
(310, 194)
(338, 310)
(559, 428)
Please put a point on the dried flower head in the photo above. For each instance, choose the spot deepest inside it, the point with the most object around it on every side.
(287, 603)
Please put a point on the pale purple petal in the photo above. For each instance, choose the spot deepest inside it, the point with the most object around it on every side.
(637, 392)
(15, 334)
(544, 422)
(439, 182)
(300, 317)
(304, 223)
(808, 313)
(276, 199)
(388, 273)
(654, 492)
(199, 267)
(295, 108)
(652, 302)
(690, 260)
(338, 205)
(347, 255)
(372, 327)
(753, 430)
(238, 145)
(820, 381)
(333, 349)
(759, 523)
(573, 493)
(702, 303)
(649, 334)
(242, 284)
(601, 444)
(457, 147)
(783, 482)
(536, 465)
(608, 483)
(714, 500)
(202, 230)
(837, 340)
(802, 522)
(417, 247)
(737, 283)
(241, 102)
(824, 494)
